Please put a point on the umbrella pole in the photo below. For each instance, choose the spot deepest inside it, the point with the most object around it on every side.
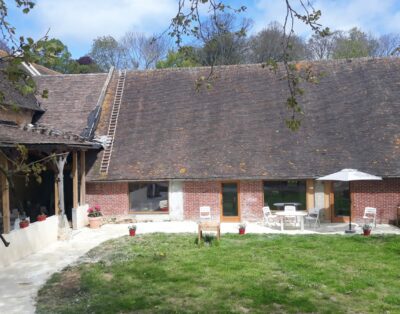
(350, 230)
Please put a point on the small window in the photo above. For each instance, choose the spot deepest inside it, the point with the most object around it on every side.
(148, 197)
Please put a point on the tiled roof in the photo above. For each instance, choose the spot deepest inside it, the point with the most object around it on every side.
(236, 129)
(13, 97)
(72, 98)
(39, 135)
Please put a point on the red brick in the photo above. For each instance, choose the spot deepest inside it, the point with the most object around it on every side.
(113, 197)
(384, 195)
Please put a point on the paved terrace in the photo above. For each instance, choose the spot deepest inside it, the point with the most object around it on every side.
(21, 281)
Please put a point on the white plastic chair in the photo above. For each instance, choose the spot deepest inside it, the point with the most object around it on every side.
(290, 209)
(205, 212)
(370, 214)
(313, 216)
(268, 216)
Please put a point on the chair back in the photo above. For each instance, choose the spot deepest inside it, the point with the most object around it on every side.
(289, 208)
(314, 211)
(369, 212)
(266, 211)
(205, 212)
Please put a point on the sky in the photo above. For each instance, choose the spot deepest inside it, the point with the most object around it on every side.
(77, 22)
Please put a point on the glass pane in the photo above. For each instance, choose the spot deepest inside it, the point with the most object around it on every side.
(285, 192)
(148, 196)
(229, 199)
(341, 192)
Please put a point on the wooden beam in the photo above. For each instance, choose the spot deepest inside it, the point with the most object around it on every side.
(5, 197)
(83, 179)
(75, 179)
(56, 199)
(310, 194)
(328, 199)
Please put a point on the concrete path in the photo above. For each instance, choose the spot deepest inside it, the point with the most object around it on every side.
(20, 282)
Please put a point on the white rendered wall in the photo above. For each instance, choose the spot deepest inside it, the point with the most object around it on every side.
(80, 217)
(24, 242)
(176, 200)
(319, 196)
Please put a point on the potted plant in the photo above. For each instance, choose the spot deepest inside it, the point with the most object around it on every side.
(95, 217)
(42, 216)
(367, 229)
(132, 230)
(242, 228)
(24, 223)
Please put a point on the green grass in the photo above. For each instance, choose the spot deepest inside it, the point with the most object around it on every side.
(244, 274)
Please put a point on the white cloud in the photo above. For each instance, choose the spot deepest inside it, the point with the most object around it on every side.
(375, 16)
(82, 21)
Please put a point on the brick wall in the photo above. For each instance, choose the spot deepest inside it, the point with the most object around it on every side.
(384, 195)
(201, 193)
(251, 200)
(112, 197)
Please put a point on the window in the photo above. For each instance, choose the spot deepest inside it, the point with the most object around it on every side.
(285, 192)
(148, 196)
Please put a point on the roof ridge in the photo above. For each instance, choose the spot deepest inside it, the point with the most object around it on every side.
(249, 65)
(74, 74)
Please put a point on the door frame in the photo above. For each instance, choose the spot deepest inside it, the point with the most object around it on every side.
(230, 218)
(332, 204)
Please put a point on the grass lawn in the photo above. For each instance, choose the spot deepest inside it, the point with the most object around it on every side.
(244, 274)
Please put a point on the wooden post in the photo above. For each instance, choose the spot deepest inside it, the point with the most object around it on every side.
(5, 191)
(56, 194)
(328, 199)
(310, 194)
(60, 163)
(75, 179)
(83, 179)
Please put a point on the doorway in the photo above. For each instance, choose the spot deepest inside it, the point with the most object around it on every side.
(341, 202)
(230, 202)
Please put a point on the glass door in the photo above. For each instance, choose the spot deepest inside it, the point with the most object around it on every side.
(230, 202)
(341, 201)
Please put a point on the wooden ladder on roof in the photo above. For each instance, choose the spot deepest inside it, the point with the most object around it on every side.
(105, 162)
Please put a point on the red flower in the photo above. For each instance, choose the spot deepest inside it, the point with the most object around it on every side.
(97, 207)
(90, 210)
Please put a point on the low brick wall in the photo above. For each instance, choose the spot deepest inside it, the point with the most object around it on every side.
(384, 195)
(113, 197)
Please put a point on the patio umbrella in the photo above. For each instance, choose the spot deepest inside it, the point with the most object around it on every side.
(348, 175)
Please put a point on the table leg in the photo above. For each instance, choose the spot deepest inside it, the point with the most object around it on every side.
(302, 223)
(199, 233)
(281, 223)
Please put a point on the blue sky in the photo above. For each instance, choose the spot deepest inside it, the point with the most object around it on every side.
(78, 22)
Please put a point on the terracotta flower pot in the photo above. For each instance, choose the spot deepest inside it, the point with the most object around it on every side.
(367, 232)
(132, 232)
(95, 222)
(41, 217)
(24, 224)
(242, 231)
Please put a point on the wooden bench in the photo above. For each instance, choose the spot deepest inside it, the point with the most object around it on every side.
(209, 226)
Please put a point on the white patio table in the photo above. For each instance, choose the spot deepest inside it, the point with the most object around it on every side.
(298, 213)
